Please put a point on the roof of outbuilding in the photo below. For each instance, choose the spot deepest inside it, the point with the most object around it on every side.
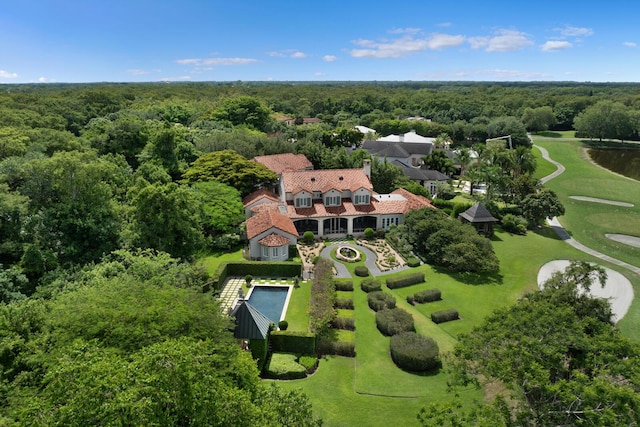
(259, 194)
(273, 240)
(267, 219)
(251, 324)
(478, 213)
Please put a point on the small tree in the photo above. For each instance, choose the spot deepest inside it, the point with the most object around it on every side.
(369, 233)
(543, 204)
(308, 237)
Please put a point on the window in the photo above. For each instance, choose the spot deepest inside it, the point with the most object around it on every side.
(303, 202)
(362, 199)
(274, 252)
(332, 201)
(265, 252)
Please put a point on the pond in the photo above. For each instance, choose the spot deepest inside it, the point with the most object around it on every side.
(624, 162)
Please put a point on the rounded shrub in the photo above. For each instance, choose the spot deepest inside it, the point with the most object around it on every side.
(413, 352)
(371, 285)
(361, 271)
(413, 262)
(369, 233)
(410, 299)
(514, 224)
(394, 321)
(308, 237)
(379, 300)
(283, 325)
(342, 285)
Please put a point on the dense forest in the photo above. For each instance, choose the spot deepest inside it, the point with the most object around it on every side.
(103, 186)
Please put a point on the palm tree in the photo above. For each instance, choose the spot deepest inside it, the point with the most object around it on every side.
(522, 161)
(463, 157)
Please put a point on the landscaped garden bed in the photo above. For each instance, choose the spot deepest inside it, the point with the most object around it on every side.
(386, 257)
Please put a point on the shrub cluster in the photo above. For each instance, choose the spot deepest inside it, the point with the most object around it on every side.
(379, 300)
(347, 323)
(406, 280)
(428, 295)
(444, 316)
(413, 352)
(338, 348)
(371, 285)
(361, 271)
(344, 285)
(394, 321)
(309, 361)
(514, 224)
(285, 367)
(344, 303)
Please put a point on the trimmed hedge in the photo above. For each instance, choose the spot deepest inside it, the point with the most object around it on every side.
(309, 361)
(284, 367)
(428, 295)
(413, 262)
(445, 316)
(394, 321)
(344, 303)
(259, 352)
(406, 280)
(379, 300)
(346, 286)
(293, 342)
(415, 353)
(371, 285)
(361, 271)
(347, 323)
(338, 348)
(256, 269)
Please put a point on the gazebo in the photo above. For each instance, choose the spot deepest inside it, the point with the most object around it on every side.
(478, 216)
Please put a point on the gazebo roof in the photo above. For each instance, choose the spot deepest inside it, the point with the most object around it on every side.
(478, 213)
(250, 323)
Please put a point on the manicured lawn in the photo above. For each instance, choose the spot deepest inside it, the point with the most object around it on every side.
(298, 310)
(211, 262)
(588, 222)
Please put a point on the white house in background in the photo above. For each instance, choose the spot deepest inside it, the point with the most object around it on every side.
(409, 137)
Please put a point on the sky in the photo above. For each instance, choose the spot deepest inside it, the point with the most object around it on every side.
(78, 41)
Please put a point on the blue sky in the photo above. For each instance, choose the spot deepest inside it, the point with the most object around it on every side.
(189, 40)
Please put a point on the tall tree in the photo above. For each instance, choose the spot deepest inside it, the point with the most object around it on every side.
(606, 119)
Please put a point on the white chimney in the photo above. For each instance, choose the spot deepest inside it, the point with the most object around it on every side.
(401, 137)
(366, 165)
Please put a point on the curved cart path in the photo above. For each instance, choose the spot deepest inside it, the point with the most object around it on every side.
(562, 233)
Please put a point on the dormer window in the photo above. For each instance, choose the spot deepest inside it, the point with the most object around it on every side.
(332, 201)
(362, 199)
(303, 202)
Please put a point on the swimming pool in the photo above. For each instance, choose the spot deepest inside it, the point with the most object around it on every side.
(272, 301)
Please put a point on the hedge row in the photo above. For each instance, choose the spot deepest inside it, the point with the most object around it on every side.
(293, 342)
(406, 280)
(347, 323)
(344, 303)
(394, 321)
(361, 271)
(346, 286)
(371, 285)
(413, 352)
(413, 262)
(285, 367)
(256, 269)
(445, 316)
(259, 350)
(337, 348)
(428, 295)
(379, 300)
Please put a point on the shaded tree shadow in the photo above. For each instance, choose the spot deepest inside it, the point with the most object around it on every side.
(474, 279)
(549, 233)
(549, 134)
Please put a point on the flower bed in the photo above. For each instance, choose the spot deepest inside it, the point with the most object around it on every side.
(386, 257)
(347, 254)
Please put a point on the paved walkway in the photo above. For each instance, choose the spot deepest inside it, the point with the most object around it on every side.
(370, 261)
(562, 233)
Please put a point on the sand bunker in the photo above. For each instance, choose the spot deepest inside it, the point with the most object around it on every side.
(623, 238)
(605, 201)
(617, 289)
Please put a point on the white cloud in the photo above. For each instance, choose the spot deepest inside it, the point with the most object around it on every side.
(630, 44)
(404, 46)
(555, 45)
(298, 55)
(571, 31)
(287, 53)
(405, 31)
(329, 58)
(138, 72)
(507, 41)
(216, 61)
(445, 24)
(175, 79)
(44, 80)
(319, 74)
(7, 75)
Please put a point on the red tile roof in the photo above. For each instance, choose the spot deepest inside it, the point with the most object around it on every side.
(268, 219)
(325, 180)
(259, 194)
(285, 162)
(274, 239)
(414, 201)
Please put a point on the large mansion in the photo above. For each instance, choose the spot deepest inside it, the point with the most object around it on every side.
(329, 203)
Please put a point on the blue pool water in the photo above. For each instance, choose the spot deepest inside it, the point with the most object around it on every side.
(269, 300)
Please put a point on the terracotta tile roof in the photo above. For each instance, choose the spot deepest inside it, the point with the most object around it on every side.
(413, 200)
(274, 239)
(268, 219)
(264, 207)
(259, 194)
(284, 162)
(325, 180)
